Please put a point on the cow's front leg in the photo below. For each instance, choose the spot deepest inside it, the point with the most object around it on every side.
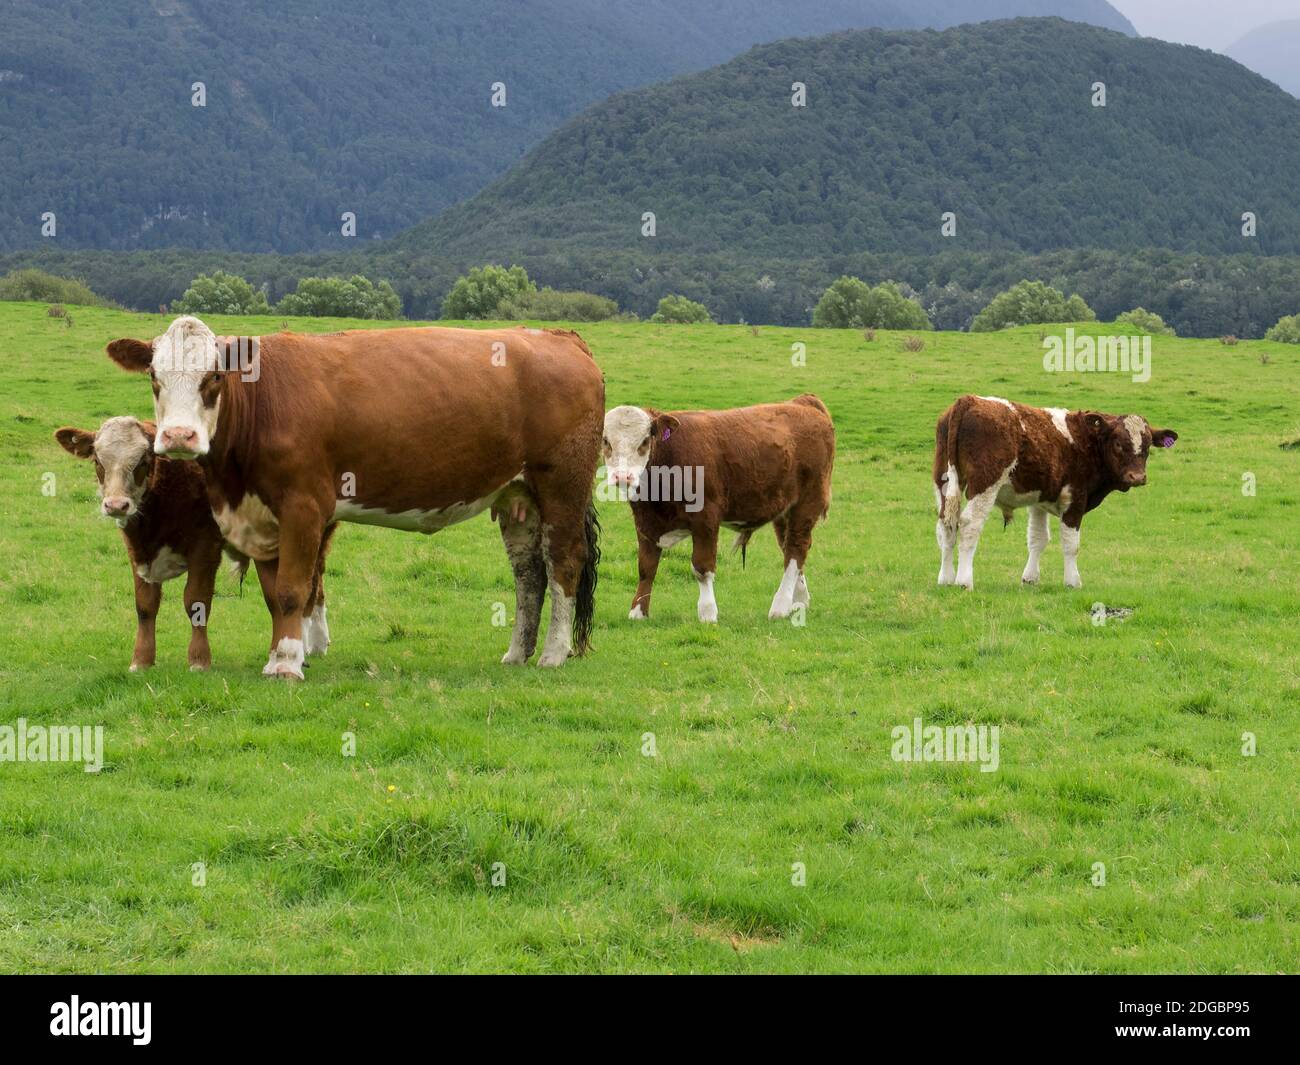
(301, 526)
(1039, 536)
(147, 598)
(199, 584)
(648, 553)
(704, 562)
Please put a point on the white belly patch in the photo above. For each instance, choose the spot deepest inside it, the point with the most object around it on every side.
(421, 521)
(250, 528)
(167, 565)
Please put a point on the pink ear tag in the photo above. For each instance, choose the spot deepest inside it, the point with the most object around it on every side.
(667, 434)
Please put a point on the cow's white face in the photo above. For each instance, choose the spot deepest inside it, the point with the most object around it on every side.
(185, 370)
(122, 462)
(627, 445)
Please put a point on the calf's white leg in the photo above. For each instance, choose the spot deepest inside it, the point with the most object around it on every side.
(1039, 536)
(947, 541)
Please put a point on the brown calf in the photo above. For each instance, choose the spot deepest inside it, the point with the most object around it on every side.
(161, 506)
(691, 472)
(1054, 461)
(412, 429)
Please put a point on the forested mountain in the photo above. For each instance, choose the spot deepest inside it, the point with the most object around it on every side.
(1274, 51)
(317, 107)
(994, 122)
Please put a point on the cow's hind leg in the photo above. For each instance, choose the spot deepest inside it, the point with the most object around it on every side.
(799, 520)
(1039, 536)
(315, 623)
(781, 527)
(979, 506)
(569, 531)
(521, 532)
(704, 564)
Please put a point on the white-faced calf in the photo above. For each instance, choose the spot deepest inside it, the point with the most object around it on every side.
(161, 506)
(1007, 455)
(690, 473)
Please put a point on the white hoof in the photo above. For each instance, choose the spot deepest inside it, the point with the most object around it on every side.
(709, 613)
(514, 657)
(781, 608)
(947, 577)
(553, 659)
(636, 614)
(286, 660)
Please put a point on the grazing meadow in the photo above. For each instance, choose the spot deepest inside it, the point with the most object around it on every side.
(687, 798)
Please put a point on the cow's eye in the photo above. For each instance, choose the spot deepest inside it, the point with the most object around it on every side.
(604, 442)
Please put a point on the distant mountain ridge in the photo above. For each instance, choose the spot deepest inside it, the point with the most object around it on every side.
(1272, 51)
(319, 107)
(993, 122)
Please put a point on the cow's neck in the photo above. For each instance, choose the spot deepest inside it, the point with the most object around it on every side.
(231, 455)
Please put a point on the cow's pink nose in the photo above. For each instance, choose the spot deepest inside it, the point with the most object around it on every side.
(623, 477)
(116, 505)
(180, 439)
(1136, 480)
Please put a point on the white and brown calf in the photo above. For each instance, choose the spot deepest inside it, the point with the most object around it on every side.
(745, 468)
(1006, 455)
(161, 506)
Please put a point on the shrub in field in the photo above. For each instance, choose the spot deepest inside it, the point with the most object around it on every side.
(221, 293)
(337, 297)
(484, 290)
(850, 303)
(1287, 330)
(1029, 303)
(913, 343)
(1229, 341)
(680, 310)
(39, 287)
(1146, 321)
(552, 305)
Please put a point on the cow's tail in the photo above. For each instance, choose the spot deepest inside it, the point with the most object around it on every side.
(740, 543)
(585, 607)
(948, 481)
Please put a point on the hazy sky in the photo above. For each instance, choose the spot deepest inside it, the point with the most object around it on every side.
(1209, 23)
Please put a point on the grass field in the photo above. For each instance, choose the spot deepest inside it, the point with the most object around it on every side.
(1120, 744)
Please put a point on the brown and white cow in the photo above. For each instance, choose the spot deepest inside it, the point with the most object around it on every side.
(1008, 455)
(688, 473)
(161, 507)
(412, 429)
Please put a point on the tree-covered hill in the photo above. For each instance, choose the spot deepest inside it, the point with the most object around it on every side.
(994, 122)
(317, 107)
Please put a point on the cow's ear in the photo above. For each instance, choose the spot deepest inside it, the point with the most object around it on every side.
(1097, 424)
(149, 429)
(662, 425)
(79, 442)
(133, 355)
(1163, 437)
